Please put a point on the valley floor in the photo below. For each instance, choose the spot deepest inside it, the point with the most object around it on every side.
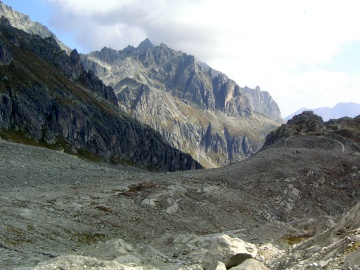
(55, 205)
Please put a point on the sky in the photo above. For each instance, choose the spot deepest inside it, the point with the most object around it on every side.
(305, 53)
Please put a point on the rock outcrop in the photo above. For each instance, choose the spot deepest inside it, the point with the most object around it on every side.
(48, 96)
(263, 103)
(197, 109)
(230, 251)
(309, 130)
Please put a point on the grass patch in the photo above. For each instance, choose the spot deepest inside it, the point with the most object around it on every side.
(90, 238)
(61, 144)
(353, 247)
(22, 137)
(85, 154)
(103, 208)
(17, 137)
(293, 240)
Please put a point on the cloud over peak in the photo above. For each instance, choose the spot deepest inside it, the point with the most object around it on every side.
(251, 41)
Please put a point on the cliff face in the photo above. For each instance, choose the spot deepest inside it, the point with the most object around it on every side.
(48, 97)
(197, 109)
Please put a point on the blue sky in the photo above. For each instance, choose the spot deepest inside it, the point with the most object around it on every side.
(38, 10)
(305, 53)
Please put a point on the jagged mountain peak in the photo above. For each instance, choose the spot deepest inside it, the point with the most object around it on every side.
(145, 44)
(179, 97)
(164, 45)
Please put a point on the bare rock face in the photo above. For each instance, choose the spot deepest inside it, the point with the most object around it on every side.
(23, 22)
(5, 55)
(48, 97)
(197, 109)
(263, 103)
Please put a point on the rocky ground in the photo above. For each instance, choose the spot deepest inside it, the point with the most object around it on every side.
(61, 212)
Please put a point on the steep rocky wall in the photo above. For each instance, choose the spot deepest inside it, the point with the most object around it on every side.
(180, 97)
(5, 55)
(213, 138)
(263, 103)
(49, 97)
(34, 111)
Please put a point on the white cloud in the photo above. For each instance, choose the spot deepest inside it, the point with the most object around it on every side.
(255, 42)
(313, 89)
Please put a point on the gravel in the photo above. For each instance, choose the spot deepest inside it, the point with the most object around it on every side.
(54, 204)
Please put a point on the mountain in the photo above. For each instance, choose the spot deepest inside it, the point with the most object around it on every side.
(197, 109)
(23, 22)
(47, 98)
(349, 109)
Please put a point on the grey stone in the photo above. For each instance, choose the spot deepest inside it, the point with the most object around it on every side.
(251, 264)
(229, 251)
(352, 261)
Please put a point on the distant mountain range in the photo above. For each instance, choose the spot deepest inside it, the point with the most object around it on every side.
(350, 109)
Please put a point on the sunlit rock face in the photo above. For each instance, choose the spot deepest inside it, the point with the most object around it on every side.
(197, 109)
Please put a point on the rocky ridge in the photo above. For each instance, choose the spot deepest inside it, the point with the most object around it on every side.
(23, 22)
(47, 98)
(197, 109)
(293, 205)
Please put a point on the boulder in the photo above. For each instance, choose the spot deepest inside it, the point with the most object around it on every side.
(230, 251)
(251, 264)
(352, 261)
(220, 266)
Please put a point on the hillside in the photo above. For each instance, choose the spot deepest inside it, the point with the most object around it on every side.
(47, 98)
(197, 109)
(59, 211)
